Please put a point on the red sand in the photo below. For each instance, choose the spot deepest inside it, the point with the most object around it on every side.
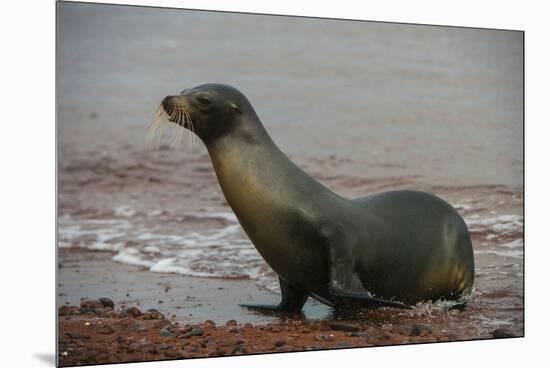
(101, 335)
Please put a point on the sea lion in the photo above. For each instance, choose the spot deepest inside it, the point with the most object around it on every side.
(388, 249)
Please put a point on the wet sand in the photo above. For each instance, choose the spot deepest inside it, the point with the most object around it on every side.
(157, 316)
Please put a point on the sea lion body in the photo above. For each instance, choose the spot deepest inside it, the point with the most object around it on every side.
(388, 249)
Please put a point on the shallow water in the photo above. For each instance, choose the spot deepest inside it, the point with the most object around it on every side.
(363, 107)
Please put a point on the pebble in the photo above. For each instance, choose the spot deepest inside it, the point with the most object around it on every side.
(500, 333)
(86, 310)
(279, 343)
(107, 302)
(343, 344)
(113, 314)
(74, 335)
(209, 323)
(240, 349)
(105, 329)
(359, 334)
(91, 303)
(133, 347)
(101, 312)
(231, 322)
(138, 327)
(166, 331)
(420, 330)
(67, 310)
(149, 347)
(130, 312)
(340, 326)
(152, 315)
(161, 323)
(194, 332)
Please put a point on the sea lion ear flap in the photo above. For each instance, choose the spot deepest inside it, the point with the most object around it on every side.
(235, 108)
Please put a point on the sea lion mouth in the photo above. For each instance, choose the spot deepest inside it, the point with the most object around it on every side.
(175, 112)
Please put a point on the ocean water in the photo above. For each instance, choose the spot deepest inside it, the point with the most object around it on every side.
(363, 107)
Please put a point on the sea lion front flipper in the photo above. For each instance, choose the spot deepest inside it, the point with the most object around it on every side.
(345, 284)
(292, 300)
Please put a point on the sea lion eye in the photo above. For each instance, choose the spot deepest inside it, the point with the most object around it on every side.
(204, 101)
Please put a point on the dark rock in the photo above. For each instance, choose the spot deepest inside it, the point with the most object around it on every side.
(343, 344)
(279, 343)
(167, 331)
(501, 333)
(234, 330)
(130, 312)
(341, 326)
(359, 334)
(239, 349)
(163, 346)
(107, 302)
(194, 332)
(231, 322)
(91, 303)
(74, 335)
(85, 310)
(420, 330)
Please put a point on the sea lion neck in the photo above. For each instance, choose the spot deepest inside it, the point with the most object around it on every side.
(254, 173)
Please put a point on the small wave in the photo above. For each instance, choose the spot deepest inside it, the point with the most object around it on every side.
(501, 224)
(221, 249)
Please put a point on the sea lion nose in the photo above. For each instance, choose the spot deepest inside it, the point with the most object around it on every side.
(166, 101)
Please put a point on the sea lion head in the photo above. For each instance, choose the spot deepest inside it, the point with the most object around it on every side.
(208, 110)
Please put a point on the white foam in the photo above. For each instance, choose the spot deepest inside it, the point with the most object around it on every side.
(502, 253)
(503, 224)
(517, 243)
(129, 256)
(124, 211)
(221, 250)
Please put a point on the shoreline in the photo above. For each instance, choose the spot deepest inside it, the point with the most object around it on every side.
(158, 316)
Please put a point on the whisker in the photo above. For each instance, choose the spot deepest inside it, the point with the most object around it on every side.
(161, 130)
(192, 128)
(175, 139)
(157, 120)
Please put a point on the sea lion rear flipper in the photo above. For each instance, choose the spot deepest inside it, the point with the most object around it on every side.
(292, 300)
